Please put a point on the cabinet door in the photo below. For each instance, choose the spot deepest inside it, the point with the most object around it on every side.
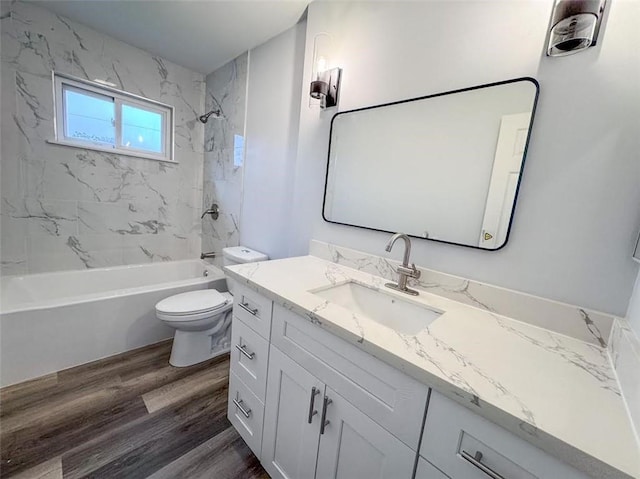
(352, 446)
(290, 441)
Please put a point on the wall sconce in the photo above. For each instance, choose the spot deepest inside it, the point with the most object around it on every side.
(325, 85)
(575, 25)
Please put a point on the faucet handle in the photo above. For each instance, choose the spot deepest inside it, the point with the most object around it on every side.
(410, 271)
(416, 272)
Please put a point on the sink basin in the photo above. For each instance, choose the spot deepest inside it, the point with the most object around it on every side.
(387, 309)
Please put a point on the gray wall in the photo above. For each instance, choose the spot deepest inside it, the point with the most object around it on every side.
(275, 78)
(577, 217)
(68, 208)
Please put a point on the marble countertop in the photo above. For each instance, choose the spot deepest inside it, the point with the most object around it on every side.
(558, 393)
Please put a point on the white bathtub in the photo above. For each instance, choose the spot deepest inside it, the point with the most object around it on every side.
(52, 321)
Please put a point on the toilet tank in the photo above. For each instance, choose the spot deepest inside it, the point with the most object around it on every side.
(240, 255)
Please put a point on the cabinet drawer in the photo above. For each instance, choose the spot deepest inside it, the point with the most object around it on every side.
(426, 470)
(254, 309)
(246, 413)
(463, 444)
(388, 396)
(249, 357)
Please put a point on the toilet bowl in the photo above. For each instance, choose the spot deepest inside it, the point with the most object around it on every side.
(202, 320)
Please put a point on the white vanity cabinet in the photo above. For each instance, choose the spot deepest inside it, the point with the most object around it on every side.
(313, 406)
(311, 431)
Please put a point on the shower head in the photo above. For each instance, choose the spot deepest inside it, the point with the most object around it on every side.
(215, 113)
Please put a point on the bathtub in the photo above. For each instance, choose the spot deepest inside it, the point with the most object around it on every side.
(53, 321)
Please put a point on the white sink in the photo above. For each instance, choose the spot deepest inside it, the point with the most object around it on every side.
(387, 309)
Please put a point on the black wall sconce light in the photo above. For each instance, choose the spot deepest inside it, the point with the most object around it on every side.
(325, 83)
(575, 25)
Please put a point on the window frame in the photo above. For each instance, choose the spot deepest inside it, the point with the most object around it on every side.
(120, 98)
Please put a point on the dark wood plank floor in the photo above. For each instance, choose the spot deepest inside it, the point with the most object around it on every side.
(128, 416)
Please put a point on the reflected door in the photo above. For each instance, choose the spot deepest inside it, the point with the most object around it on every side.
(512, 140)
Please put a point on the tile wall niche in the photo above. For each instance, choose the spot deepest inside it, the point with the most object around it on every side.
(226, 90)
(68, 208)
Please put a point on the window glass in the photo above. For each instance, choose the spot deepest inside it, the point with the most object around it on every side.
(89, 117)
(93, 116)
(142, 129)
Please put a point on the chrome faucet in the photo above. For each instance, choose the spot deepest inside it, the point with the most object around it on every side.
(207, 255)
(404, 271)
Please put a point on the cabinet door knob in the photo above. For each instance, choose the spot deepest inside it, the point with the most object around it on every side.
(324, 422)
(475, 461)
(312, 412)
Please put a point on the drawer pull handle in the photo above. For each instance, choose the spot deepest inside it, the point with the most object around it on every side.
(475, 460)
(244, 351)
(249, 310)
(324, 422)
(313, 412)
(245, 412)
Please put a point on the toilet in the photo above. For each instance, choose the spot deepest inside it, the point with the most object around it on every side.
(202, 319)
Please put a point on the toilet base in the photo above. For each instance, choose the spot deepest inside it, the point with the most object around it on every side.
(193, 347)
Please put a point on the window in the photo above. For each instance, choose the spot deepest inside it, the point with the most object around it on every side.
(90, 115)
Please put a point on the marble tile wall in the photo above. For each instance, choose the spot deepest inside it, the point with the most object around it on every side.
(589, 326)
(226, 90)
(68, 208)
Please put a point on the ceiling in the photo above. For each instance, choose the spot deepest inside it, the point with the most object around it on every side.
(201, 35)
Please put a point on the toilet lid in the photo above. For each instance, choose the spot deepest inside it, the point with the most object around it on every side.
(192, 302)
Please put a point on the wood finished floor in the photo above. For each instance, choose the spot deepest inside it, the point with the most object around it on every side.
(128, 416)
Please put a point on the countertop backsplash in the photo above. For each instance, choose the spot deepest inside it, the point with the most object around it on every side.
(579, 323)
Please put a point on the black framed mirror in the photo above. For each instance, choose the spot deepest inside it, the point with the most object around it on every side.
(443, 167)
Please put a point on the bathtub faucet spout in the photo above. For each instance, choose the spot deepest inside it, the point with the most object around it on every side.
(207, 255)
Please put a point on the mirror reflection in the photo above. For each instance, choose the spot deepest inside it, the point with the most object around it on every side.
(444, 167)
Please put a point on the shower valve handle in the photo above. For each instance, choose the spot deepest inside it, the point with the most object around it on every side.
(214, 211)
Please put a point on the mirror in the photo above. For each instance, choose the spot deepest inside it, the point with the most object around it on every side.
(443, 167)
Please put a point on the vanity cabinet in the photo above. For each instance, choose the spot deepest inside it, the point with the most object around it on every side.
(313, 406)
(311, 431)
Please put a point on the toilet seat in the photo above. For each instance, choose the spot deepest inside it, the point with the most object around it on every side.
(193, 305)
